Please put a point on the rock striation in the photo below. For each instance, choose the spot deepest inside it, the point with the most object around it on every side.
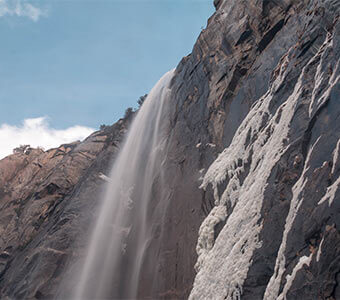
(252, 169)
(276, 185)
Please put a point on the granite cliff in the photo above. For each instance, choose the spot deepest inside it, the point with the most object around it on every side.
(252, 169)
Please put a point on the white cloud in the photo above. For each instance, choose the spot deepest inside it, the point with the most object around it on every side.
(37, 132)
(20, 8)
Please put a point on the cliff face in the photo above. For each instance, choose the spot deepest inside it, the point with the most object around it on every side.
(262, 87)
(274, 230)
(47, 201)
(243, 74)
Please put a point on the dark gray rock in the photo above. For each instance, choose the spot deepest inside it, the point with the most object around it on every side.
(290, 140)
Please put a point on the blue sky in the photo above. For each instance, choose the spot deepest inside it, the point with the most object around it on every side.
(83, 62)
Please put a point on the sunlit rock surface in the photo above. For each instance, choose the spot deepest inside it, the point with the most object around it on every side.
(45, 204)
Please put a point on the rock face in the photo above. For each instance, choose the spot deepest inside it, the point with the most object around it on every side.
(261, 88)
(276, 185)
(43, 200)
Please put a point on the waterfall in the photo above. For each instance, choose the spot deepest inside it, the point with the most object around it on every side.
(125, 226)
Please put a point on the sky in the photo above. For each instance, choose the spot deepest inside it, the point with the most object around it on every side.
(80, 63)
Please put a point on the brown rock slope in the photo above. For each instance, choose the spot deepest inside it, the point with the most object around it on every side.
(37, 230)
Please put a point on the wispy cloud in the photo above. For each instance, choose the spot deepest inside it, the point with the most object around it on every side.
(20, 8)
(38, 133)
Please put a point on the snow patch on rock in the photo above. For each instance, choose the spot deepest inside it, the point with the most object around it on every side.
(239, 178)
(304, 260)
(257, 146)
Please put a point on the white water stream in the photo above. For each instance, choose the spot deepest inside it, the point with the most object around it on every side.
(123, 231)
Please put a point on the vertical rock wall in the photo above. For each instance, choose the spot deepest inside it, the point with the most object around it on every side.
(276, 185)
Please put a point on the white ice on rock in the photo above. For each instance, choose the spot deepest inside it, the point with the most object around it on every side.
(223, 264)
(273, 287)
(331, 193)
(304, 260)
(104, 177)
(318, 255)
(336, 158)
(333, 189)
(257, 146)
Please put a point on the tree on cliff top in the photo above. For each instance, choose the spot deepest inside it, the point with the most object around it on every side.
(141, 100)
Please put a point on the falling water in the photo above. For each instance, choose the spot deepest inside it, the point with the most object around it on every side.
(123, 230)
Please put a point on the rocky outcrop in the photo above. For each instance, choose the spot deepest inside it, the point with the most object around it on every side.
(46, 199)
(276, 186)
(250, 50)
(233, 65)
(260, 88)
